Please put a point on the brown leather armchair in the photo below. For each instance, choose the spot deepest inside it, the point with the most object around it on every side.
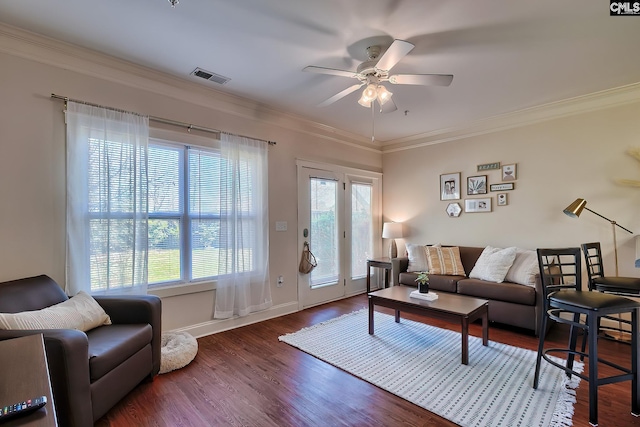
(90, 372)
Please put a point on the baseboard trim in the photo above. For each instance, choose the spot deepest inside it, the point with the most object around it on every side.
(221, 325)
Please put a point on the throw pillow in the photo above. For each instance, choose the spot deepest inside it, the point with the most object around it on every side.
(417, 258)
(524, 268)
(493, 264)
(445, 261)
(80, 312)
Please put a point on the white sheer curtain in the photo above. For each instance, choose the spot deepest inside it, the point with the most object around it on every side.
(243, 284)
(107, 206)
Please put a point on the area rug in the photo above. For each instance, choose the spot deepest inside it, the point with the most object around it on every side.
(178, 350)
(421, 363)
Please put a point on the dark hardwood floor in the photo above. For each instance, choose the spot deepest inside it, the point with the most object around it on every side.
(246, 377)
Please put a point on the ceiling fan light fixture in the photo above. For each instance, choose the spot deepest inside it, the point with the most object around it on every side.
(365, 102)
(383, 95)
(370, 92)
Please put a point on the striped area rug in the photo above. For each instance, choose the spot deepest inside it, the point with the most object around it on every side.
(421, 364)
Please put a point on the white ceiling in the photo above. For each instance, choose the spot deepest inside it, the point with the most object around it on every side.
(505, 55)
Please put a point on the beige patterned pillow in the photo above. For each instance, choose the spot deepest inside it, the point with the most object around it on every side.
(445, 261)
(80, 312)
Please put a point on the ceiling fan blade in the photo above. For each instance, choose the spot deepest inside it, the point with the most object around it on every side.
(340, 95)
(388, 107)
(393, 55)
(330, 71)
(421, 79)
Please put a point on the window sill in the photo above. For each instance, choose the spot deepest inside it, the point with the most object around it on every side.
(182, 289)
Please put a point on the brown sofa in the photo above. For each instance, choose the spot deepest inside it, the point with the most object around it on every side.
(509, 303)
(90, 372)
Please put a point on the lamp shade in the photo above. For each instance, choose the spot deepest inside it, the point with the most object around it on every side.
(383, 95)
(392, 230)
(575, 209)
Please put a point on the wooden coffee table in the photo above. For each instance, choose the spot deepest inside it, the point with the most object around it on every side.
(448, 307)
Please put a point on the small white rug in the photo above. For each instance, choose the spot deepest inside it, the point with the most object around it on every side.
(421, 364)
(178, 350)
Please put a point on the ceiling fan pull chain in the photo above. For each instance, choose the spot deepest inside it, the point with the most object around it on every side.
(373, 125)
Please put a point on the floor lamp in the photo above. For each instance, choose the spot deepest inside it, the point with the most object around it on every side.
(574, 210)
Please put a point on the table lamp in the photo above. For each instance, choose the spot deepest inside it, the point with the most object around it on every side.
(393, 231)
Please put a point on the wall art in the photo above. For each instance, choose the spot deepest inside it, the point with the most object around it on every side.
(477, 205)
(453, 210)
(502, 187)
(450, 186)
(476, 185)
(488, 166)
(509, 172)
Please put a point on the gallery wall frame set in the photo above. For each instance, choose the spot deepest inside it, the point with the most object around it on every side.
(450, 188)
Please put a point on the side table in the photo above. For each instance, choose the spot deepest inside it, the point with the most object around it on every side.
(25, 375)
(384, 263)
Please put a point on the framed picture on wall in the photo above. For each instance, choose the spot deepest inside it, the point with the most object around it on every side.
(450, 186)
(477, 205)
(476, 185)
(509, 172)
(502, 198)
(453, 210)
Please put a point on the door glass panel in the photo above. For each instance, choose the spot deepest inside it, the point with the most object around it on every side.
(361, 228)
(324, 231)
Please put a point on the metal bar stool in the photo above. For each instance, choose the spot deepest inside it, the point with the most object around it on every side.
(561, 273)
(624, 286)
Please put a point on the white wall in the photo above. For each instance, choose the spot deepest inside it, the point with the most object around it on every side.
(557, 161)
(32, 157)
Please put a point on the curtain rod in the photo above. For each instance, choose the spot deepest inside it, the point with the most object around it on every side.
(189, 126)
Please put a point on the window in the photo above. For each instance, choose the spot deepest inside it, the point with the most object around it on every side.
(184, 226)
(185, 205)
(361, 227)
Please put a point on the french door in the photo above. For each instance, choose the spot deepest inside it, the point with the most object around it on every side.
(339, 216)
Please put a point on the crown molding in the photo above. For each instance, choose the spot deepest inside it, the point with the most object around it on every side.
(610, 98)
(25, 44)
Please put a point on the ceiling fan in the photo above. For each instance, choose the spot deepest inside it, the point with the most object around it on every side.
(373, 72)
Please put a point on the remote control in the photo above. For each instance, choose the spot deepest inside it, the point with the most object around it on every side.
(28, 406)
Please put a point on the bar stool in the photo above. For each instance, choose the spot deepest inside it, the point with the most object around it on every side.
(625, 286)
(611, 284)
(561, 274)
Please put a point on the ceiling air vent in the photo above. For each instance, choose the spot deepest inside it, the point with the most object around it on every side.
(207, 75)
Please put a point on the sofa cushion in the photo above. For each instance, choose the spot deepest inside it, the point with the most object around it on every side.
(437, 282)
(110, 346)
(493, 264)
(469, 255)
(417, 258)
(445, 261)
(80, 312)
(524, 269)
(509, 292)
